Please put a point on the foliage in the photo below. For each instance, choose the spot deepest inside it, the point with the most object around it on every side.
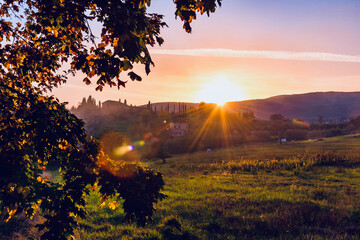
(248, 116)
(355, 122)
(139, 187)
(37, 131)
(296, 134)
(277, 117)
(50, 33)
(299, 162)
(37, 39)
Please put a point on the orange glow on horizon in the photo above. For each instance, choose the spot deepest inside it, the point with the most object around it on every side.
(220, 90)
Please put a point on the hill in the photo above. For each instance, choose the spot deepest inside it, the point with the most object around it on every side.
(331, 106)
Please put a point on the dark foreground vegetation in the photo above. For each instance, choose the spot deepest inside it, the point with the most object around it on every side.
(298, 190)
(42, 43)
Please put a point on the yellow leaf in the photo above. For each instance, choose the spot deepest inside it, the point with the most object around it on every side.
(10, 213)
(102, 205)
(91, 73)
(20, 189)
(102, 45)
(90, 57)
(115, 42)
(113, 205)
(61, 146)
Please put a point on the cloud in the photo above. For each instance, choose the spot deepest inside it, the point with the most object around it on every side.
(280, 55)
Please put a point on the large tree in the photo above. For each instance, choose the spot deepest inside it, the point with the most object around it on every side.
(41, 41)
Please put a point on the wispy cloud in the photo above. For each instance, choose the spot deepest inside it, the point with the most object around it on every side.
(281, 55)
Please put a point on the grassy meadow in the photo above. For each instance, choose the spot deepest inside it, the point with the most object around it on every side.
(298, 190)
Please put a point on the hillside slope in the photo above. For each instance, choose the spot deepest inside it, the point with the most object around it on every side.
(331, 106)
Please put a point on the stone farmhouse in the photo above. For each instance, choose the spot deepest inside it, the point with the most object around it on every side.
(178, 129)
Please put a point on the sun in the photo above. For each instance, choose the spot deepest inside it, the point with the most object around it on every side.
(220, 90)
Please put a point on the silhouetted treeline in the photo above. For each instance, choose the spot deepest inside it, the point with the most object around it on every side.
(207, 127)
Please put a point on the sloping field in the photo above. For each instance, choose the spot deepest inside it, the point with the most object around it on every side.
(298, 190)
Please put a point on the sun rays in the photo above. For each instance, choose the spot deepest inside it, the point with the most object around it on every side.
(215, 130)
(219, 89)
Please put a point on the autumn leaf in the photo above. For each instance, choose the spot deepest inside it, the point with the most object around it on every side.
(43, 168)
(102, 205)
(87, 81)
(102, 45)
(113, 205)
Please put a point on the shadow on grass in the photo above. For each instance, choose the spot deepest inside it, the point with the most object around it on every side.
(279, 219)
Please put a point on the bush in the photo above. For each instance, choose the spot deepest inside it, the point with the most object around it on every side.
(296, 134)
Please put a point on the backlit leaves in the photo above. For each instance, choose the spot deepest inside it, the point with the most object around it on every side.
(36, 39)
(36, 131)
(187, 9)
(133, 76)
(58, 31)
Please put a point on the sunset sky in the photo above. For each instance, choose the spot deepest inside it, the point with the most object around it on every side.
(247, 49)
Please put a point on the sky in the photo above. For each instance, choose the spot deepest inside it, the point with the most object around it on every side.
(247, 49)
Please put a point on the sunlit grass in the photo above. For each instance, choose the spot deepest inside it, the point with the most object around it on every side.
(214, 195)
(314, 201)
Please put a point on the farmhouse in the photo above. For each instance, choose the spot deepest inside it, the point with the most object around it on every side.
(178, 129)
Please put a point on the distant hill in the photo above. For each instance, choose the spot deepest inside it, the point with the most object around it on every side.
(331, 106)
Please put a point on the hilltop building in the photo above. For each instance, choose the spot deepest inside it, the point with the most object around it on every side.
(178, 129)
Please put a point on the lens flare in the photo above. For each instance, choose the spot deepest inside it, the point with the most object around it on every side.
(120, 169)
(139, 143)
(119, 147)
(122, 150)
(147, 135)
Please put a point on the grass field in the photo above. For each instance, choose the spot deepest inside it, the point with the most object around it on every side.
(298, 190)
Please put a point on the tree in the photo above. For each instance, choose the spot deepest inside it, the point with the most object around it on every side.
(37, 38)
(277, 117)
(355, 122)
(248, 116)
(145, 116)
(278, 126)
(161, 151)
